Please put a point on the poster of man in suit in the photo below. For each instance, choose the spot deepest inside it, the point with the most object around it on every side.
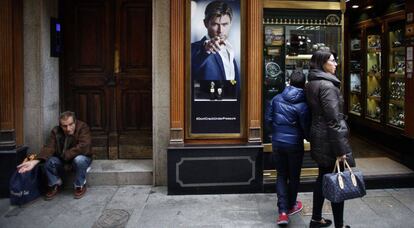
(215, 66)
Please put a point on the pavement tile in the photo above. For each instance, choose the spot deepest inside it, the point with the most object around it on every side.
(129, 197)
(406, 197)
(4, 205)
(391, 211)
(377, 192)
(358, 214)
(85, 211)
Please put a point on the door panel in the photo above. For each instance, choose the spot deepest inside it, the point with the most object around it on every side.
(135, 83)
(107, 73)
(87, 66)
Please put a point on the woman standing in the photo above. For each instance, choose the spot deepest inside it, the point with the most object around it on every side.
(329, 131)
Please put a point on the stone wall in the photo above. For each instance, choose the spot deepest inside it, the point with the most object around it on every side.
(41, 73)
(161, 88)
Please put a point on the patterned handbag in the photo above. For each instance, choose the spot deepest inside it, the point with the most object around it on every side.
(340, 186)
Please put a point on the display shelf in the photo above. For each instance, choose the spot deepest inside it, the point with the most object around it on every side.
(397, 49)
(395, 75)
(375, 75)
(397, 102)
(373, 119)
(374, 50)
(355, 113)
(301, 57)
(376, 98)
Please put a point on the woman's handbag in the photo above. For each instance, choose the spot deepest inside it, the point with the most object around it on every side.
(340, 186)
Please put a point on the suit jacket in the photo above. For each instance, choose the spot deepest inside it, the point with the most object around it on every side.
(78, 144)
(206, 66)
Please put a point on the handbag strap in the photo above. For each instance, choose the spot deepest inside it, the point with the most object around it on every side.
(346, 165)
(353, 178)
(336, 167)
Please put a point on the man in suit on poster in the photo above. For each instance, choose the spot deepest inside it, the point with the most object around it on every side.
(212, 58)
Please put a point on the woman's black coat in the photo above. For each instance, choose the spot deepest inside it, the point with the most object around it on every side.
(329, 131)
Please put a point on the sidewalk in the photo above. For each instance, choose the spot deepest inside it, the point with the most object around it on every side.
(146, 206)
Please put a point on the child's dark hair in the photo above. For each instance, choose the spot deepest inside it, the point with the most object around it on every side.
(297, 79)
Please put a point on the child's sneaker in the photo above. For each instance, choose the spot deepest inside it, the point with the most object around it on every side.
(297, 208)
(283, 219)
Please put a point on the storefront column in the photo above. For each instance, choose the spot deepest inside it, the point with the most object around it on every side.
(161, 88)
(254, 68)
(41, 73)
(409, 98)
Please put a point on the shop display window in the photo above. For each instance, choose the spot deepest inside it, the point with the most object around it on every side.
(355, 74)
(289, 42)
(373, 73)
(376, 73)
(396, 72)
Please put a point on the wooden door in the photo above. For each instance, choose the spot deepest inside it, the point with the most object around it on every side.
(107, 73)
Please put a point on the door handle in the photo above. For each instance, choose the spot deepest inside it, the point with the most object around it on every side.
(111, 81)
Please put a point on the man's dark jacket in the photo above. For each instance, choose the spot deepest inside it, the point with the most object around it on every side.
(329, 131)
(289, 116)
(80, 143)
(206, 66)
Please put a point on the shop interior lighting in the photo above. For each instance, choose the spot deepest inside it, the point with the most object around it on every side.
(355, 6)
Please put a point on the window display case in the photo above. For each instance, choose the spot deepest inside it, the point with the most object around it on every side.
(355, 74)
(373, 72)
(376, 73)
(396, 74)
(289, 42)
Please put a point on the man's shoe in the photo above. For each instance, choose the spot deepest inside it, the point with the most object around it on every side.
(283, 219)
(322, 223)
(52, 192)
(79, 192)
(297, 208)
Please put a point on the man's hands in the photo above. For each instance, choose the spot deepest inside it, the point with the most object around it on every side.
(27, 166)
(213, 45)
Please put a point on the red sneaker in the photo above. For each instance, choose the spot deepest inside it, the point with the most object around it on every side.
(283, 219)
(297, 208)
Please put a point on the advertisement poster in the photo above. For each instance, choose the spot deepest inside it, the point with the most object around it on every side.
(215, 67)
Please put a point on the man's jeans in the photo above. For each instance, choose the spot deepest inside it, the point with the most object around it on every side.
(288, 166)
(55, 168)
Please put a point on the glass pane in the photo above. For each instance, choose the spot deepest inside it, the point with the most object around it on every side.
(302, 41)
(355, 74)
(396, 72)
(289, 40)
(373, 72)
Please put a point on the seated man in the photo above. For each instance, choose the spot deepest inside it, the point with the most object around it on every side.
(69, 144)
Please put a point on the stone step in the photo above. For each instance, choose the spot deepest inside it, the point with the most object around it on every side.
(118, 172)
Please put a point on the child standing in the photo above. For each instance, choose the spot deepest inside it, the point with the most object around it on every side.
(289, 116)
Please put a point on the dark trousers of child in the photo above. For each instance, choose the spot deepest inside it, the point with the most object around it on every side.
(288, 162)
(318, 199)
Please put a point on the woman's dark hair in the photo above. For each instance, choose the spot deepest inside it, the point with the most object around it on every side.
(319, 58)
